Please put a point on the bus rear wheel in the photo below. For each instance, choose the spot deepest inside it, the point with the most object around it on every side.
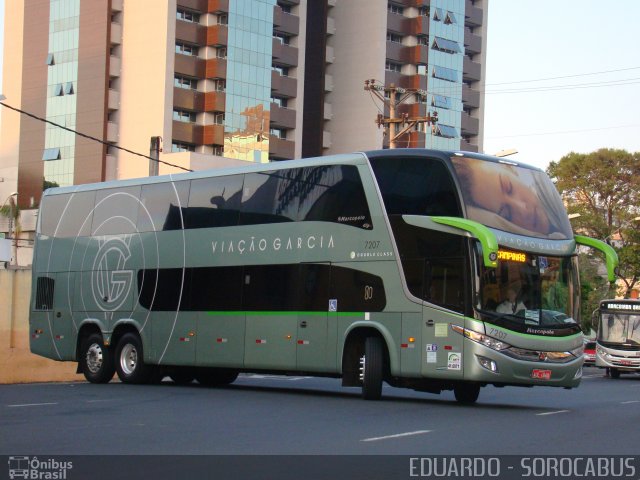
(467, 393)
(96, 360)
(372, 368)
(130, 360)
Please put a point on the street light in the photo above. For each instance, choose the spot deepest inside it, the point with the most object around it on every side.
(12, 206)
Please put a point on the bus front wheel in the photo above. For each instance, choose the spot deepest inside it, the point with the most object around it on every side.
(130, 360)
(372, 368)
(615, 373)
(96, 360)
(466, 393)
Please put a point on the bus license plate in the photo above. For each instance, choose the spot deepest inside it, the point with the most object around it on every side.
(541, 374)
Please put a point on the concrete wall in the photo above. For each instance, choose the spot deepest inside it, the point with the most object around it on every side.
(17, 363)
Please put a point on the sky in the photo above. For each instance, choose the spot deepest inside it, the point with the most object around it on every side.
(576, 39)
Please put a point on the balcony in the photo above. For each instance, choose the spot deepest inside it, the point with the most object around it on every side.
(112, 132)
(418, 54)
(394, 51)
(395, 22)
(414, 81)
(218, 6)
(115, 66)
(470, 98)
(283, 86)
(328, 83)
(113, 102)
(417, 26)
(413, 109)
(116, 5)
(215, 68)
(331, 26)
(214, 101)
(327, 111)
(282, 117)
(326, 139)
(116, 33)
(185, 99)
(330, 55)
(471, 71)
(212, 134)
(190, 66)
(197, 5)
(393, 78)
(469, 125)
(473, 15)
(190, 32)
(217, 35)
(472, 43)
(284, 54)
(281, 149)
(285, 22)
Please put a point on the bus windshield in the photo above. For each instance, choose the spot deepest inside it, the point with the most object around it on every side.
(620, 328)
(529, 291)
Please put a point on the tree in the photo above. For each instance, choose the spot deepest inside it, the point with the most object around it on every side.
(604, 188)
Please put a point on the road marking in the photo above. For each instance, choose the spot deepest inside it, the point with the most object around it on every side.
(397, 435)
(272, 377)
(95, 401)
(630, 401)
(552, 413)
(32, 404)
(594, 375)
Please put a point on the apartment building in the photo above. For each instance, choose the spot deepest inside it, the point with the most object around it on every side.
(222, 81)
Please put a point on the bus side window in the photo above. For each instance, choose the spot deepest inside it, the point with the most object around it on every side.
(67, 215)
(116, 211)
(214, 202)
(162, 206)
(268, 198)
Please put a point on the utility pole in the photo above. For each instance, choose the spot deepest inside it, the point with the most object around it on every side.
(392, 102)
(154, 154)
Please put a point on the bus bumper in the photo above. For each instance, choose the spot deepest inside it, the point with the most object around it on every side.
(483, 364)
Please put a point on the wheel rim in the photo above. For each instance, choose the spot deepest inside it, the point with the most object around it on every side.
(128, 359)
(94, 358)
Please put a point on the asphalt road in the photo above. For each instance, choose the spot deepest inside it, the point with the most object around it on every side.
(299, 415)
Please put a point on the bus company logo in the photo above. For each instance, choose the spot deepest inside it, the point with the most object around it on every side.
(254, 244)
(34, 468)
(110, 282)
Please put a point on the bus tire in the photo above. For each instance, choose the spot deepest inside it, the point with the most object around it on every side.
(216, 377)
(96, 360)
(615, 373)
(466, 393)
(372, 368)
(130, 360)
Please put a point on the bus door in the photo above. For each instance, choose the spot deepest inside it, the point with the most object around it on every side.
(443, 353)
(268, 297)
(315, 322)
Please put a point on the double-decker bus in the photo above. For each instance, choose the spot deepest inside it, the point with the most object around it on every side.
(618, 339)
(424, 269)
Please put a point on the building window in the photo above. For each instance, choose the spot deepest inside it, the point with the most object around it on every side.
(51, 154)
(444, 45)
(422, 69)
(437, 14)
(450, 18)
(218, 150)
(223, 19)
(392, 66)
(182, 147)
(286, 8)
(446, 131)
(424, 11)
(394, 37)
(445, 73)
(284, 71)
(58, 90)
(423, 40)
(186, 49)
(219, 85)
(393, 8)
(218, 119)
(185, 82)
(187, 16)
(278, 133)
(441, 101)
(184, 116)
(280, 101)
(68, 88)
(50, 59)
(221, 52)
(282, 38)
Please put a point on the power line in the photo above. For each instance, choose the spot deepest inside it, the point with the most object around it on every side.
(89, 137)
(565, 76)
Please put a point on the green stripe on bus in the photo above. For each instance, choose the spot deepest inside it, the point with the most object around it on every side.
(287, 313)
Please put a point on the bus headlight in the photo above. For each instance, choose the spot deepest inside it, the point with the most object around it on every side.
(492, 343)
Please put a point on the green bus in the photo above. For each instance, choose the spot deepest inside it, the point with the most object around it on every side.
(423, 269)
(618, 339)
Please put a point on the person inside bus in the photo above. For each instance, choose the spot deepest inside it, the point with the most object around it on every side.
(512, 304)
(499, 189)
